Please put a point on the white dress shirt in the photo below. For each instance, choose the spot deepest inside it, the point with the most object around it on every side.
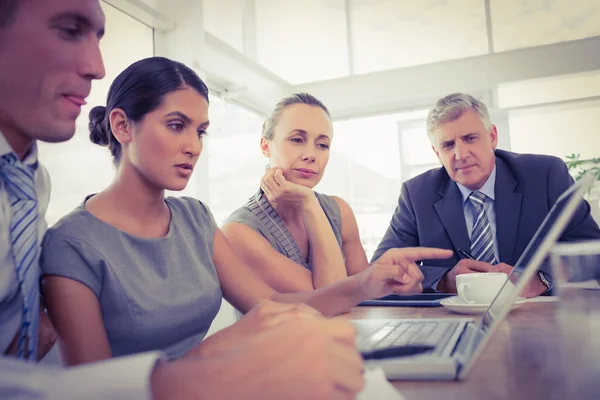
(124, 378)
(11, 301)
(488, 189)
(118, 378)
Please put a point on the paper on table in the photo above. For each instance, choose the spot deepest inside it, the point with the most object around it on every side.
(377, 387)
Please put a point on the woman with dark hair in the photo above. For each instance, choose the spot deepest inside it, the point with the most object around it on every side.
(130, 270)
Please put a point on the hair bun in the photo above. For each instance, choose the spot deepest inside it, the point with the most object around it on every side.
(98, 130)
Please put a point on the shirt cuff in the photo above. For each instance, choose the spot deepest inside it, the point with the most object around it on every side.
(435, 283)
(547, 281)
(125, 378)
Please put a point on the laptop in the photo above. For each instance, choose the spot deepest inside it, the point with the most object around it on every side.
(457, 342)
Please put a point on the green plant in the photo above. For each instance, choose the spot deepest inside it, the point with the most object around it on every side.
(582, 167)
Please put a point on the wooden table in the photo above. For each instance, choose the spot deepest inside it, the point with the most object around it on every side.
(520, 362)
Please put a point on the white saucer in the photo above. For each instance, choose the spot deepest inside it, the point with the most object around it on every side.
(455, 304)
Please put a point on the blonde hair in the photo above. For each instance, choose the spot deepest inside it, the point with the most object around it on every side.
(268, 129)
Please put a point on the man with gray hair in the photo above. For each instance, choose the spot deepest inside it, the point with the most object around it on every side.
(485, 204)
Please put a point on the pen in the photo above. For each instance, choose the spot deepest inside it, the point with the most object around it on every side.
(396, 351)
(465, 254)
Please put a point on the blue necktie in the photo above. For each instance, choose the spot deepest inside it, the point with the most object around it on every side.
(20, 187)
(482, 241)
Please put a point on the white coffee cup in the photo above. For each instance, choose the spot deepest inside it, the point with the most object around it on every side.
(479, 288)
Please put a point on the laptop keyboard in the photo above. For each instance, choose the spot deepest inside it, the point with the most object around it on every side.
(399, 333)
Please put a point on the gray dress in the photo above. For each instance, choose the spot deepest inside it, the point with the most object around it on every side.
(154, 294)
(258, 214)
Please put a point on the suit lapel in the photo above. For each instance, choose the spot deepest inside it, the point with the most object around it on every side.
(508, 211)
(450, 211)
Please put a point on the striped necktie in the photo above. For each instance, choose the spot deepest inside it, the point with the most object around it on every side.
(482, 241)
(20, 187)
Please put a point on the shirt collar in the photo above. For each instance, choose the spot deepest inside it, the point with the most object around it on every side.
(488, 187)
(31, 158)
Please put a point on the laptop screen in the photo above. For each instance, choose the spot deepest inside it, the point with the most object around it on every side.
(507, 294)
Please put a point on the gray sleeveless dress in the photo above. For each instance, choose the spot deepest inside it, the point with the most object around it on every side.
(258, 214)
(154, 294)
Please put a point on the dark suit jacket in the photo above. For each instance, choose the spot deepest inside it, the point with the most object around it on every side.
(430, 211)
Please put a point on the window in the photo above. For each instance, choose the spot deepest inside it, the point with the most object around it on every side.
(390, 34)
(557, 130)
(225, 20)
(415, 148)
(549, 90)
(302, 41)
(517, 23)
(555, 116)
(79, 167)
(235, 162)
(365, 170)
(235, 166)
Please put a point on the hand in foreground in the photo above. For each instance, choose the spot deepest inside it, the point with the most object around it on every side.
(279, 190)
(396, 271)
(265, 315)
(298, 359)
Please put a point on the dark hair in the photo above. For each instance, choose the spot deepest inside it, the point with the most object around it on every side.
(8, 9)
(139, 90)
(268, 129)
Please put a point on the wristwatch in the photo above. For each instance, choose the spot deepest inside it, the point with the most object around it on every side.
(544, 280)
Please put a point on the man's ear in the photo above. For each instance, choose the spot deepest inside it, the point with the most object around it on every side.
(121, 127)
(432, 141)
(437, 154)
(264, 147)
(494, 136)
